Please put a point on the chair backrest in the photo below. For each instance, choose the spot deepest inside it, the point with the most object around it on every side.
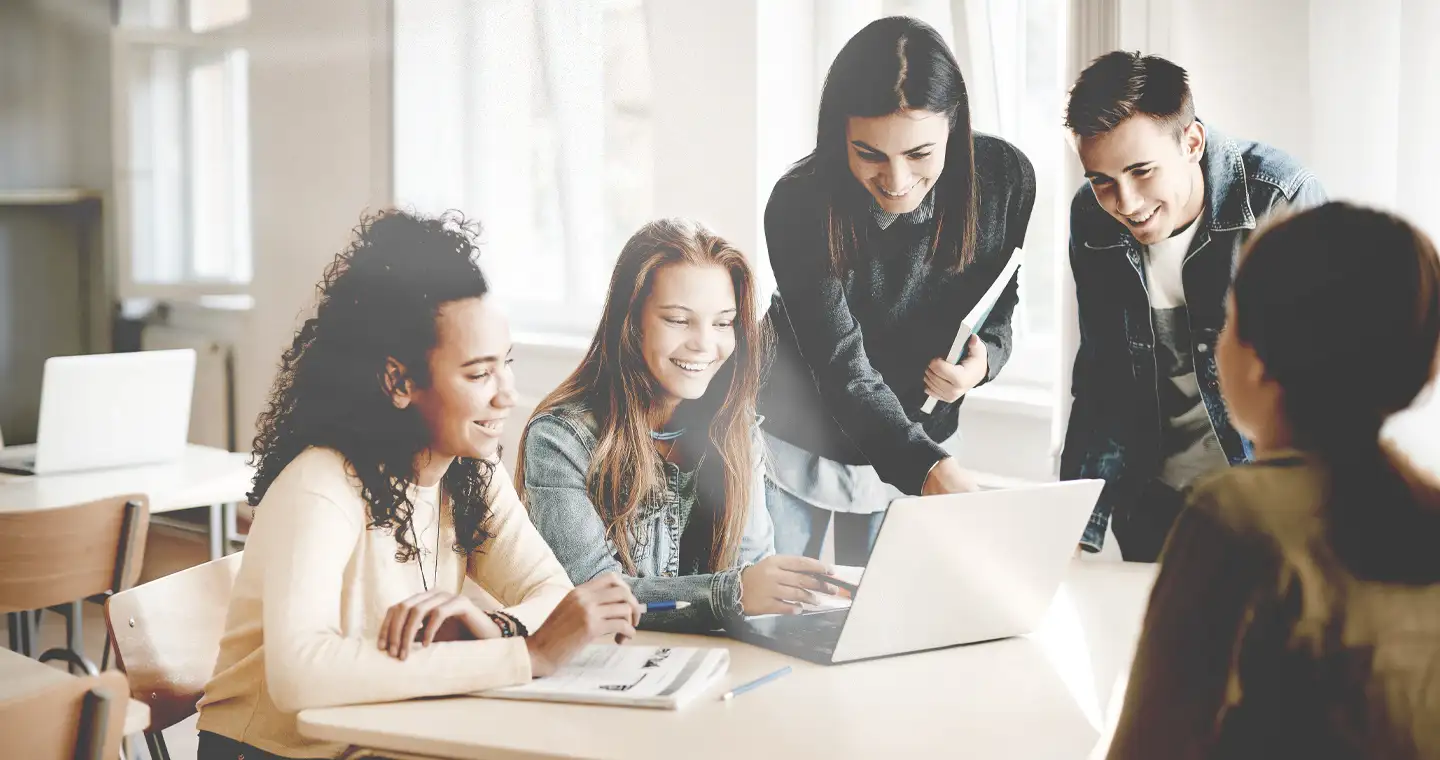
(167, 636)
(70, 719)
(61, 555)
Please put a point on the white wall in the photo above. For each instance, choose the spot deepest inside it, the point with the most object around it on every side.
(320, 158)
(704, 68)
(54, 133)
(1249, 67)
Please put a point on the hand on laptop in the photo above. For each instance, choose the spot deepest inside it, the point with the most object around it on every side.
(776, 585)
(947, 476)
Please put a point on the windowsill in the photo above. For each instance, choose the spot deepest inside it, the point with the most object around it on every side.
(140, 307)
(1018, 398)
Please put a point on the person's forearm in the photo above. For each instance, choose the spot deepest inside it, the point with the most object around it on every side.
(324, 669)
(714, 600)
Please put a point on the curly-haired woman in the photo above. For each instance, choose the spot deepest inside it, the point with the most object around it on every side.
(378, 493)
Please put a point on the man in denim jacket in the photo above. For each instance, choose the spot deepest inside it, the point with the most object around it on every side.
(1154, 238)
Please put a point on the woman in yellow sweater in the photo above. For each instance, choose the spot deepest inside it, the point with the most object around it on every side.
(378, 493)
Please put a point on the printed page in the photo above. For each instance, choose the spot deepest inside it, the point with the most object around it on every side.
(662, 676)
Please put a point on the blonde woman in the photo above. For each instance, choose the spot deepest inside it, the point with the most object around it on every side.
(646, 461)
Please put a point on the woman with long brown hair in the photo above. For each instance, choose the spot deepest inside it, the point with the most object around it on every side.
(647, 460)
(1297, 611)
(882, 239)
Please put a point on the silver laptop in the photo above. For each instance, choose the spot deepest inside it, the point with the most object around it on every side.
(946, 570)
(109, 410)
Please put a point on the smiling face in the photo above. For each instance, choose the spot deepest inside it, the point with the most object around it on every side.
(897, 157)
(471, 389)
(687, 329)
(1145, 178)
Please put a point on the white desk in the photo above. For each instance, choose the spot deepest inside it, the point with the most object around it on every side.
(1048, 695)
(20, 675)
(203, 477)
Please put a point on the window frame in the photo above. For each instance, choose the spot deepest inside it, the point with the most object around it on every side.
(127, 44)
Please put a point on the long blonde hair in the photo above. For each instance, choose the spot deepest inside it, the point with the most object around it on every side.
(615, 383)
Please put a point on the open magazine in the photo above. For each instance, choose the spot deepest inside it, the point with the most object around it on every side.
(976, 318)
(630, 676)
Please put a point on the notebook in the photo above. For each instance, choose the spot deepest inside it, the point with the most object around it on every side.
(629, 676)
(976, 318)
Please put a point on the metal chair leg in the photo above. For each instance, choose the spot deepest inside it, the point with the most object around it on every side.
(217, 532)
(35, 631)
(74, 629)
(74, 659)
(25, 633)
(13, 620)
(155, 743)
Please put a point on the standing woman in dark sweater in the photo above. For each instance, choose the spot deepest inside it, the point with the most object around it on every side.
(881, 240)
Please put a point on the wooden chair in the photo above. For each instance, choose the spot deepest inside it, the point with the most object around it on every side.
(167, 638)
(63, 556)
(73, 719)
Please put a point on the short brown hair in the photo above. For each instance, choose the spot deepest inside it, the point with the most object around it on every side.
(1119, 85)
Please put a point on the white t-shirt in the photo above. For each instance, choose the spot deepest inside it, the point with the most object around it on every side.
(1188, 442)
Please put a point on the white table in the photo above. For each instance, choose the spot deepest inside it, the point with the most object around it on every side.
(1048, 695)
(204, 477)
(20, 675)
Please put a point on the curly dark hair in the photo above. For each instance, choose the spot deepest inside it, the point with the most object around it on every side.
(378, 299)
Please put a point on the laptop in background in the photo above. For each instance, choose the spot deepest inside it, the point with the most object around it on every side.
(109, 410)
(946, 570)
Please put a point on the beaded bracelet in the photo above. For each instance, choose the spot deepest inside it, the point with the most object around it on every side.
(509, 625)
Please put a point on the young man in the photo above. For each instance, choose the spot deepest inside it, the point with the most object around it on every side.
(1154, 236)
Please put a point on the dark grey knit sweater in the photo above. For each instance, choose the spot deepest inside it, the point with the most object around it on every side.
(849, 373)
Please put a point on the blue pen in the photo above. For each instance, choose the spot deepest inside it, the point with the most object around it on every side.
(664, 606)
(761, 681)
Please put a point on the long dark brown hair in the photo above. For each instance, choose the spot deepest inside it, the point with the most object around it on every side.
(897, 64)
(615, 383)
(1342, 306)
(378, 299)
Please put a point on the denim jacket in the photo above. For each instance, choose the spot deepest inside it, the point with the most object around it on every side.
(1115, 423)
(558, 449)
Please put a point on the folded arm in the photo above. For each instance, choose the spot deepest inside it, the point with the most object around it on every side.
(309, 662)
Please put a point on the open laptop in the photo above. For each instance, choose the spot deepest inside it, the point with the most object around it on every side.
(946, 570)
(109, 410)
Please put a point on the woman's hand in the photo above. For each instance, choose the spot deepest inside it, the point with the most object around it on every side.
(444, 617)
(947, 476)
(777, 584)
(602, 606)
(948, 382)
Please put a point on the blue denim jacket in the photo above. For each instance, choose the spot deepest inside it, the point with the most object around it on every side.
(1115, 423)
(558, 449)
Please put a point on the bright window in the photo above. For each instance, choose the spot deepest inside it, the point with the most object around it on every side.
(534, 119)
(181, 111)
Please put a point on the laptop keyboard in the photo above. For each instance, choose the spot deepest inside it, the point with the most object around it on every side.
(819, 631)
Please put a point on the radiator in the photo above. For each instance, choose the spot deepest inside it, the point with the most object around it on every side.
(212, 413)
